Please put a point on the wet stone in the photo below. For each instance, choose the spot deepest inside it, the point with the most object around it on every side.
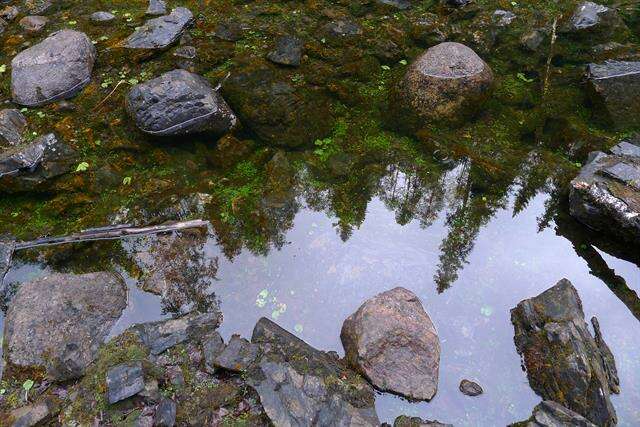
(33, 24)
(124, 381)
(237, 356)
(391, 340)
(59, 321)
(12, 126)
(342, 28)
(157, 7)
(552, 414)
(57, 68)
(9, 13)
(457, 3)
(470, 388)
(229, 31)
(178, 103)
(551, 335)
(503, 18)
(405, 421)
(162, 32)
(531, 41)
(614, 88)
(592, 19)
(165, 413)
(396, 4)
(605, 195)
(288, 51)
(102, 17)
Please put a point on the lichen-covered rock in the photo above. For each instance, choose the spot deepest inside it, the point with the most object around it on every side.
(28, 167)
(12, 126)
(124, 381)
(552, 414)
(614, 89)
(563, 361)
(156, 7)
(448, 82)
(58, 322)
(288, 51)
(301, 386)
(33, 24)
(405, 421)
(470, 388)
(161, 32)
(57, 68)
(38, 7)
(392, 341)
(9, 13)
(594, 20)
(606, 193)
(237, 356)
(177, 103)
(34, 414)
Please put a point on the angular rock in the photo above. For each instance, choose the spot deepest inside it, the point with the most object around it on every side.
(503, 18)
(9, 13)
(7, 247)
(32, 415)
(102, 17)
(301, 386)
(229, 31)
(342, 28)
(124, 381)
(614, 88)
(288, 51)
(391, 340)
(396, 4)
(178, 103)
(165, 413)
(186, 52)
(605, 195)
(162, 32)
(38, 7)
(457, 3)
(552, 414)
(156, 7)
(12, 126)
(448, 82)
(57, 68)
(33, 24)
(59, 321)
(607, 358)
(26, 167)
(470, 388)
(562, 360)
(162, 335)
(595, 20)
(212, 346)
(405, 421)
(237, 356)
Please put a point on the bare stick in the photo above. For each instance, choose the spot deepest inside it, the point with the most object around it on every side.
(108, 96)
(553, 42)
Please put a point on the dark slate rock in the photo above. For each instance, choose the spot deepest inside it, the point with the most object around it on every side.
(288, 51)
(124, 381)
(595, 20)
(38, 7)
(391, 340)
(102, 17)
(342, 28)
(396, 4)
(59, 321)
(614, 88)
(7, 247)
(299, 385)
(35, 414)
(28, 167)
(552, 414)
(470, 388)
(162, 335)
(57, 68)
(33, 23)
(531, 41)
(12, 126)
(161, 32)
(405, 421)
(237, 356)
(212, 346)
(562, 360)
(156, 7)
(229, 31)
(178, 103)
(9, 13)
(605, 195)
(186, 52)
(457, 3)
(607, 358)
(165, 413)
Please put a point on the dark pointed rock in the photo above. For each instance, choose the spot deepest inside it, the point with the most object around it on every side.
(165, 413)
(124, 381)
(552, 414)
(470, 388)
(405, 421)
(12, 126)
(614, 89)
(288, 51)
(238, 355)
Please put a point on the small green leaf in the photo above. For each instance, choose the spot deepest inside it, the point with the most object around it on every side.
(3, 391)
(41, 114)
(72, 22)
(133, 81)
(82, 167)
(524, 78)
(385, 67)
(126, 180)
(27, 385)
(403, 62)
(3, 68)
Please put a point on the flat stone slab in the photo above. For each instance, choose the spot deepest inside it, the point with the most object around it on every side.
(614, 88)
(124, 381)
(161, 32)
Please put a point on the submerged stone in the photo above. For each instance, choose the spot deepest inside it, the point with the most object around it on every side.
(162, 32)
(391, 340)
(12, 126)
(605, 195)
(503, 18)
(562, 359)
(58, 322)
(178, 103)
(33, 24)
(124, 381)
(614, 89)
(229, 31)
(448, 82)
(57, 68)
(38, 7)
(9, 13)
(288, 51)
(595, 20)
(28, 167)
(551, 414)
(299, 385)
(342, 28)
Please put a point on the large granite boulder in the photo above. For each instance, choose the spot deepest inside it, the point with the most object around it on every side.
(551, 414)
(448, 82)
(564, 362)
(178, 103)
(161, 32)
(12, 126)
(57, 322)
(301, 386)
(606, 193)
(614, 88)
(57, 68)
(391, 340)
(593, 20)
(27, 167)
